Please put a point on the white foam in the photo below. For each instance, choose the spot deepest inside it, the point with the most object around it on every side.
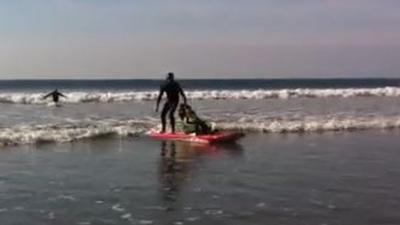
(105, 97)
(118, 208)
(70, 131)
(146, 222)
(313, 124)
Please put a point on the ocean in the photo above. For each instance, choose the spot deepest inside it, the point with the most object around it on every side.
(315, 151)
(96, 108)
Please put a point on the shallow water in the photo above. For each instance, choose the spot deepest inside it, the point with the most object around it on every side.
(29, 124)
(330, 178)
(90, 162)
(121, 108)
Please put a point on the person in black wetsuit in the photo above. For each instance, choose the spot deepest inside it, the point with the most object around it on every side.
(55, 95)
(173, 90)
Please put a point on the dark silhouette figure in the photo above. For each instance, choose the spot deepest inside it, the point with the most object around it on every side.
(55, 95)
(173, 90)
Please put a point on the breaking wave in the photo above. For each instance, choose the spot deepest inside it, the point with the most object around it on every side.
(69, 131)
(313, 124)
(105, 97)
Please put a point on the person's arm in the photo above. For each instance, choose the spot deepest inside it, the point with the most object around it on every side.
(46, 96)
(159, 98)
(183, 95)
(62, 95)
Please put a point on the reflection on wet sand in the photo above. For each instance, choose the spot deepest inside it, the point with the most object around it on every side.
(178, 159)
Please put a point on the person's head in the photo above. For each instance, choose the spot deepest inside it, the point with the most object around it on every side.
(170, 76)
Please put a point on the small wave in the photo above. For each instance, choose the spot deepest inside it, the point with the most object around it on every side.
(70, 131)
(313, 124)
(106, 97)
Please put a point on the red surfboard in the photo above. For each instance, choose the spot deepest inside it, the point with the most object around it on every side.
(206, 138)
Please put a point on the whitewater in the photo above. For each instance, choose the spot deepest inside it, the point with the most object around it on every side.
(127, 96)
(125, 109)
(75, 130)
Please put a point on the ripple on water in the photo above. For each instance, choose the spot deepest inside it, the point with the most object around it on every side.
(214, 212)
(67, 197)
(84, 223)
(51, 215)
(126, 216)
(261, 205)
(145, 222)
(192, 219)
(188, 208)
(157, 207)
(118, 208)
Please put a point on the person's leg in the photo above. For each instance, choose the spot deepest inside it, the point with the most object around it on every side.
(171, 115)
(164, 112)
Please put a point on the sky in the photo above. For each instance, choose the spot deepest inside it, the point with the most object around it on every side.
(92, 39)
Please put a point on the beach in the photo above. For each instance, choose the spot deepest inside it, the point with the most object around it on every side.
(199, 112)
(313, 153)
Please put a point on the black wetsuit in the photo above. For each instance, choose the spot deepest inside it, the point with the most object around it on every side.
(173, 90)
(55, 95)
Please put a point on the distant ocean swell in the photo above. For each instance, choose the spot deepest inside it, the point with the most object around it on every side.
(71, 130)
(106, 97)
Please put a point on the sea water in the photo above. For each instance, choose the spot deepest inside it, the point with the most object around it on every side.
(315, 152)
(126, 107)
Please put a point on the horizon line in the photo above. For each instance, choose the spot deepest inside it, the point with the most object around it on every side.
(195, 78)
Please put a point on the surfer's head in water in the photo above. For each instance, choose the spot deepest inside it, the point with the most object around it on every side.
(55, 95)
